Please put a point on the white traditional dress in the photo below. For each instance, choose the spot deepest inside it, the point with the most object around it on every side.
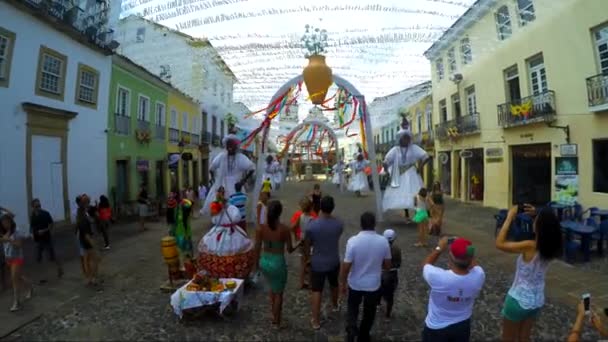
(358, 181)
(277, 177)
(405, 182)
(228, 170)
(226, 237)
(337, 172)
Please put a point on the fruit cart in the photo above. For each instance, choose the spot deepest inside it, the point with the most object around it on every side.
(207, 294)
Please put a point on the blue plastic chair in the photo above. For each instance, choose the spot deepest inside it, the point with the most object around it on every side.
(578, 212)
(600, 236)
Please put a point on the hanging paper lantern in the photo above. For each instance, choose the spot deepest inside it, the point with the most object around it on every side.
(318, 78)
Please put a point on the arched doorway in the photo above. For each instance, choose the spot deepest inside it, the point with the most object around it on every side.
(339, 81)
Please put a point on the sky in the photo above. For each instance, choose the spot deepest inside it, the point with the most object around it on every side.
(376, 45)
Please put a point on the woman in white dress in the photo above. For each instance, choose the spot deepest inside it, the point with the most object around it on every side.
(337, 173)
(358, 182)
(403, 162)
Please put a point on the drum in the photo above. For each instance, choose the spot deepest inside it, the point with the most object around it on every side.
(169, 251)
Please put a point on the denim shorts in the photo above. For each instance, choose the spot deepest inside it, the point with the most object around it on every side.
(515, 313)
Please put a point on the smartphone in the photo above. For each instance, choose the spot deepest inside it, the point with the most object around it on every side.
(587, 302)
(451, 240)
(521, 208)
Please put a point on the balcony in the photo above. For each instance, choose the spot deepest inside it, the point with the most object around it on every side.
(174, 135)
(460, 126)
(159, 132)
(143, 125)
(122, 124)
(206, 138)
(529, 110)
(425, 139)
(186, 138)
(597, 91)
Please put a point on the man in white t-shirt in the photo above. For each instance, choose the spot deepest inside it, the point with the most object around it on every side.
(453, 291)
(367, 253)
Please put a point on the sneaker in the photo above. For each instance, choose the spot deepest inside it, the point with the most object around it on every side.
(106, 248)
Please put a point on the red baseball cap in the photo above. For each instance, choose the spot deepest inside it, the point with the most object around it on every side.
(462, 249)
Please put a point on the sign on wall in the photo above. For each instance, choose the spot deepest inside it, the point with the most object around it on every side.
(173, 161)
(566, 180)
(142, 165)
(568, 150)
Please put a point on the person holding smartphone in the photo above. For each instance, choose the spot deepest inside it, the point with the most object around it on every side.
(527, 293)
(583, 313)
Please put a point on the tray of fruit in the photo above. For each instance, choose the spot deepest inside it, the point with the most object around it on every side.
(206, 291)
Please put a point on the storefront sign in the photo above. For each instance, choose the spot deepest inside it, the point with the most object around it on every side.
(566, 180)
(494, 160)
(495, 152)
(568, 150)
(173, 160)
(142, 165)
(466, 154)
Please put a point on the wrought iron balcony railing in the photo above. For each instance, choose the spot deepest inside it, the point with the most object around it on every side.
(597, 92)
(159, 132)
(425, 139)
(460, 126)
(206, 138)
(174, 135)
(122, 124)
(143, 125)
(528, 110)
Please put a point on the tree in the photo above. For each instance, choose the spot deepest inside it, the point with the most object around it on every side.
(231, 120)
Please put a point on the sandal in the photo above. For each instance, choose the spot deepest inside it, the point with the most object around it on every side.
(14, 308)
(314, 326)
(30, 293)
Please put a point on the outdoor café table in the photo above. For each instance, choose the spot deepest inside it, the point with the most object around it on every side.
(560, 208)
(183, 300)
(585, 232)
(603, 214)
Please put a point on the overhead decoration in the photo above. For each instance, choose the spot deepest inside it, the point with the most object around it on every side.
(317, 75)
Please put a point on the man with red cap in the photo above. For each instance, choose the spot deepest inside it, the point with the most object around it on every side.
(453, 291)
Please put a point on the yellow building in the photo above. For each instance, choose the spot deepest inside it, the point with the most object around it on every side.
(184, 126)
(513, 83)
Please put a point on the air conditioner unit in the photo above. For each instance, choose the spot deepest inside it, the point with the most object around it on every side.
(456, 78)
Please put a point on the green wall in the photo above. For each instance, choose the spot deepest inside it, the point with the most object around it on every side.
(126, 147)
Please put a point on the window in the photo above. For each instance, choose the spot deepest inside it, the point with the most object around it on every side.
(123, 102)
(7, 40)
(503, 23)
(50, 80)
(215, 88)
(184, 122)
(173, 123)
(443, 111)
(143, 108)
(452, 60)
(205, 121)
(471, 100)
(526, 11)
(222, 94)
(165, 72)
(456, 110)
(439, 67)
(222, 129)
(600, 167)
(512, 84)
(418, 121)
(160, 114)
(87, 85)
(600, 36)
(213, 125)
(141, 35)
(467, 53)
(538, 75)
(429, 117)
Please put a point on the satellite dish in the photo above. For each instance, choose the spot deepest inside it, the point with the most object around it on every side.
(444, 158)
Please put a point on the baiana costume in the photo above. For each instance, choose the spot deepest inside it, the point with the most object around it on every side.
(228, 169)
(358, 182)
(272, 170)
(405, 182)
(337, 173)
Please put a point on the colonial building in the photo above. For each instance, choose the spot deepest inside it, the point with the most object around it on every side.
(518, 88)
(54, 82)
(420, 117)
(192, 65)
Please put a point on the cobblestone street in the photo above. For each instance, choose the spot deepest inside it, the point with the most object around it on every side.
(131, 307)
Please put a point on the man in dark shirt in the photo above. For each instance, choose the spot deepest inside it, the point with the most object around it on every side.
(323, 235)
(41, 224)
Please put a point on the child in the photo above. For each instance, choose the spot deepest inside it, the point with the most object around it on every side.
(261, 209)
(315, 198)
(104, 212)
(390, 277)
(239, 200)
(267, 186)
(436, 202)
(299, 221)
(421, 218)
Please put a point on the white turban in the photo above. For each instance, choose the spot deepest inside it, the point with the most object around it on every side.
(403, 132)
(231, 137)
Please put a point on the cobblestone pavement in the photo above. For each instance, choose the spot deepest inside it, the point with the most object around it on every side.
(131, 307)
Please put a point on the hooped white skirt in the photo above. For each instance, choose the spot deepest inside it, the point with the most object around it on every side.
(402, 197)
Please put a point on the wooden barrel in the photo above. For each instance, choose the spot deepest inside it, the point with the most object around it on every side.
(169, 250)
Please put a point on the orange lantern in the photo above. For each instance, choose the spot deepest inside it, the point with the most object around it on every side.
(318, 78)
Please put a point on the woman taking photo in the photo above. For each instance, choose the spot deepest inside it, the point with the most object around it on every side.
(527, 294)
(274, 237)
(12, 243)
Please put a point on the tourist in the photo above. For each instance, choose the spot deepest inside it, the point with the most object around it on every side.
(260, 210)
(337, 173)
(272, 172)
(367, 253)
(41, 225)
(359, 183)
(437, 209)
(12, 242)
(390, 277)
(453, 291)
(527, 293)
(267, 186)
(581, 317)
(421, 218)
(142, 207)
(202, 194)
(299, 223)
(405, 180)
(85, 238)
(323, 237)
(227, 169)
(315, 198)
(275, 238)
(239, 200)
(104, 213)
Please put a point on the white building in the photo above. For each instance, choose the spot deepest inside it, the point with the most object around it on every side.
(54, 94)
(190, 64)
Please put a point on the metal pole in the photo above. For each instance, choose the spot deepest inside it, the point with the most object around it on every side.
(371, 150)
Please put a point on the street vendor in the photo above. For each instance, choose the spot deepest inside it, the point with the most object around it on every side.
(227, 169)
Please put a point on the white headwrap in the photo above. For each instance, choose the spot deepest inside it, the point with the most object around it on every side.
(231, 137)
(403, 132)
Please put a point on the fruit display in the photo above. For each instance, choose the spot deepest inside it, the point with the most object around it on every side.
(205, 283)
(230, 284)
